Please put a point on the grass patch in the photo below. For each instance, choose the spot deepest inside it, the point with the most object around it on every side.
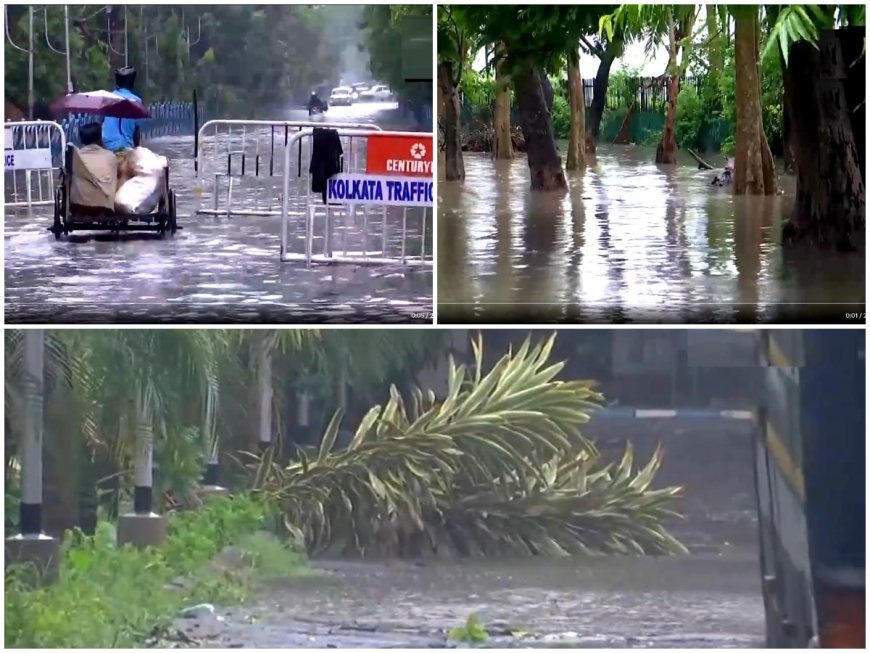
(472, 632)
(110, 597)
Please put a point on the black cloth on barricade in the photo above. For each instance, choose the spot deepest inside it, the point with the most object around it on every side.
(326, 158)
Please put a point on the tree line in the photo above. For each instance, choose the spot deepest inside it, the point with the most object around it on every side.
(241, 59)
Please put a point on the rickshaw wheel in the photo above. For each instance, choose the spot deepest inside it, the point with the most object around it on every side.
(173, 221)
(57, 227)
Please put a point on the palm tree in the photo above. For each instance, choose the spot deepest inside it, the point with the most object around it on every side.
(115, 398)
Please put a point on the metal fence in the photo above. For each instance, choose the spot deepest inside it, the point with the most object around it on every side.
(646, 96)
(36, 187)
(31, 184)
(167, 119)
(240, 164)
(369, 230)
(644, 93)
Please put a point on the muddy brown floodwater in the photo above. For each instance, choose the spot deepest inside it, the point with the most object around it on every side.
(216, 269)
(630, 241)
(708, 598)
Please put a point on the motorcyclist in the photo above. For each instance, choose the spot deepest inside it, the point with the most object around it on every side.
(316, 105)
(123, 133)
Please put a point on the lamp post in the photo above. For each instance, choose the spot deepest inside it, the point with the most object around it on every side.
(69, 85)
(31, 96)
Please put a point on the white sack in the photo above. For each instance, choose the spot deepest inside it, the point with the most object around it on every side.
(139, 195)
(146, 163)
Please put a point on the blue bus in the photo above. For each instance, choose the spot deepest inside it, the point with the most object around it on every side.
(809, 457)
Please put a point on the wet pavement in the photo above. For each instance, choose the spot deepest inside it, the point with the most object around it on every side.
(629, 242)
(710, 598)
(217, 268)
(704, 600)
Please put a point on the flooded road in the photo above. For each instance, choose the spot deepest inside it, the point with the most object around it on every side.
(629, 242)
(686, 601)
(216, 269)
(710, 598)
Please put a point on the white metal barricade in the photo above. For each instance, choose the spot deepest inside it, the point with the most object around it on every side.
(249, 155)
(33, 154)
(401, 233)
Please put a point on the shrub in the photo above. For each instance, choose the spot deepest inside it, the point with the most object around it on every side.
(113, 597)
(691, 117)
(561, 116)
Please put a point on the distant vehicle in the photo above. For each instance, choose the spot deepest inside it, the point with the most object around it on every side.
(343, 95)
(378, 93)
(358, 90)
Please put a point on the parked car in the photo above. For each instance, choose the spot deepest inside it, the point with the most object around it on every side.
(357, 90)
(382, 93)
(343, 95)
(378, 93)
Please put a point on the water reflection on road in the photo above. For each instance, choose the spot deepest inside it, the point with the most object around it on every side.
(215, 269)
(628, 241)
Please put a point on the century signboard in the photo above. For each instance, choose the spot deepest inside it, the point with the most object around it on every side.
(404, 155)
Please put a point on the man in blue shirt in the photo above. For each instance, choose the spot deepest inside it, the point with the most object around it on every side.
(122, 133)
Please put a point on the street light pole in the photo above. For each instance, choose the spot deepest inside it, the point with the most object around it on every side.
(69, 84)
(126, 45)
(31, 98)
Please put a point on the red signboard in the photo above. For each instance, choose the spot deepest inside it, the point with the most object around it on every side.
(399, 156)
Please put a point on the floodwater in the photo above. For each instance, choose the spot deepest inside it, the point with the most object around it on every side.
(695, 601)
(217, 268)
(710, 598)
(629, 242)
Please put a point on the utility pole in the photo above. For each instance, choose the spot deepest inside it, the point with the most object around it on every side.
(31, 98)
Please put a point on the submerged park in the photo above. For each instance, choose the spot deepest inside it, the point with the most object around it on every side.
(651, 163)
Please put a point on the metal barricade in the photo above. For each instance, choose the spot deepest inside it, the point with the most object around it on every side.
(248, 154)
(386, 235)
(33, 159)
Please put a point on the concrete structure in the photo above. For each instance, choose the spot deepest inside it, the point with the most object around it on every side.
(141, 530)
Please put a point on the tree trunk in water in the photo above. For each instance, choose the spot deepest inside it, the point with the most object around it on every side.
(576, 159)
(768, 167)
(599, 93)
(454, 165)
(545, 167)
(787, 150)
(666, 152)
(753, 163)
(829, 207)
(502, 116)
